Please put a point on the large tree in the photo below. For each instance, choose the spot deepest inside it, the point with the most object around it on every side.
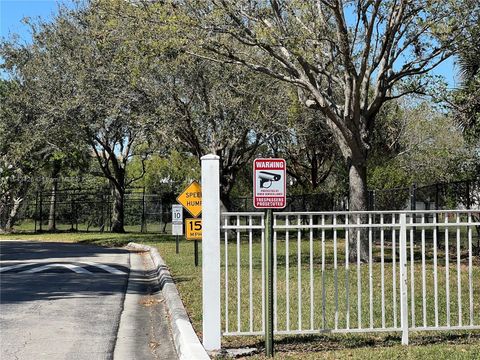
(15, 165)
(347, 58)
(204, 107)
(222, 110)
(79, 69)
(418, 143)
(306, 144)
(465, 101)
(29, 151)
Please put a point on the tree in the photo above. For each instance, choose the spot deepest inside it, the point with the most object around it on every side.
(346, 59)
(307, 146)
(465, 101)
(22, 151)
(207, 107)
(419, 144)
(78, 69)
(222, 110)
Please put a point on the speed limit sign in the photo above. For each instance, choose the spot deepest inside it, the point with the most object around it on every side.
(177, 220)
(193, 229)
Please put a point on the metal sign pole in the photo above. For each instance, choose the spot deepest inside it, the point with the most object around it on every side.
(177, 246)
(269, 281)
(269, 192)
(196, 252)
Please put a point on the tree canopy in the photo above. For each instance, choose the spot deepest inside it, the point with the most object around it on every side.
(135, 86)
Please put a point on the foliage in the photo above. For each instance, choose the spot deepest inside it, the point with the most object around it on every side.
(205, 107)
(419, 144)
(79, 77)
(465, 101)
(221, 110)
(150, 87)
(21, 152)
(309, 148)
(167, 175)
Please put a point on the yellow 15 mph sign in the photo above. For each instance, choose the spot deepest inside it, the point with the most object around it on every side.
(193, 229)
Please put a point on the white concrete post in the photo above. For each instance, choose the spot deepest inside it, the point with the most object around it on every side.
(403, 279)
(211, 252)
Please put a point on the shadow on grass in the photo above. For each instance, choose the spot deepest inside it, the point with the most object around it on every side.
(333, 342)
(113, 241)
(116, 240)
(180, 279)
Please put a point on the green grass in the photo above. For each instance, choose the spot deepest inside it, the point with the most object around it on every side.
(462, 344)
(425, 345)
(28, 226)
(329, 279)
(96, 238)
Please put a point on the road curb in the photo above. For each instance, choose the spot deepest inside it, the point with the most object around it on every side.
(186, 342)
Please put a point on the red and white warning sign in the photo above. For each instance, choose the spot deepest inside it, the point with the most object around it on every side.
(269, 183)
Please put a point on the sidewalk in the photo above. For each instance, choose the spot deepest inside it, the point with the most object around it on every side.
(144, 332)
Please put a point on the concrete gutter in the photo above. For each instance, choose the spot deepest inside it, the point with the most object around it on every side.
(186, 342)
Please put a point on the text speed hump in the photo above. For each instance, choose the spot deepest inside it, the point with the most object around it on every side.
(191, 198)
(269, 183)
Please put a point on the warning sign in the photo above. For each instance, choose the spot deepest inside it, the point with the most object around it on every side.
(269, 183)
(193, 229)
(191, 198)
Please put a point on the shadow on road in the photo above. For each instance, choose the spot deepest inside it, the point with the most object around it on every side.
(54, 284)
(30, 250)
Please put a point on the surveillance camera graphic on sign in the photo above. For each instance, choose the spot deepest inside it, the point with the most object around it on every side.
(269, 187)
(267, 178)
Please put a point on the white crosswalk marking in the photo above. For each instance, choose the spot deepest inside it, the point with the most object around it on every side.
(107, 268)
(12, 267)
(74, 268)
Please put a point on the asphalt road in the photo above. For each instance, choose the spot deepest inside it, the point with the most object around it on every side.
(60, 301)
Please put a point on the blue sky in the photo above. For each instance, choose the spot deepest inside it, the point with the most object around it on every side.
(12, 12)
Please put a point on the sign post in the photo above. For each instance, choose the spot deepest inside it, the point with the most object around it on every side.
(269, 192)
(269, 283)
(191, 199)
(177, 224)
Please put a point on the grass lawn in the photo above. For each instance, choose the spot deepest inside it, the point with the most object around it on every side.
(97, 238)
(425, 345)
(28, 226)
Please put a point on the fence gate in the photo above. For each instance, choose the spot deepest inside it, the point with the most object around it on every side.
(339, 272)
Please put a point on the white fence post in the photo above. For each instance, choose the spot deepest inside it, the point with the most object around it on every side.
(403, 279)
(211, 252)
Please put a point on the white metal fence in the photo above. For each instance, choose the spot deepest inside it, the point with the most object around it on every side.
(419, 272)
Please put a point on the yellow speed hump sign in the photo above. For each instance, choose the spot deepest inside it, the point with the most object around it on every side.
(193, 229)
(191, 198)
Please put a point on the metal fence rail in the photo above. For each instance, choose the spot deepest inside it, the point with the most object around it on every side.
(91, 210)
(420, 271)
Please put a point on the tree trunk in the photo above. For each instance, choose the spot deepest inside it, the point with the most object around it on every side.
(4, 209)
(53, 207)
(118, 214)
(13, 214)
(358, 202)
(225, 202)
(53, 197)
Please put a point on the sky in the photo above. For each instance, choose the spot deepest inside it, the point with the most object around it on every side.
(12, 12)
